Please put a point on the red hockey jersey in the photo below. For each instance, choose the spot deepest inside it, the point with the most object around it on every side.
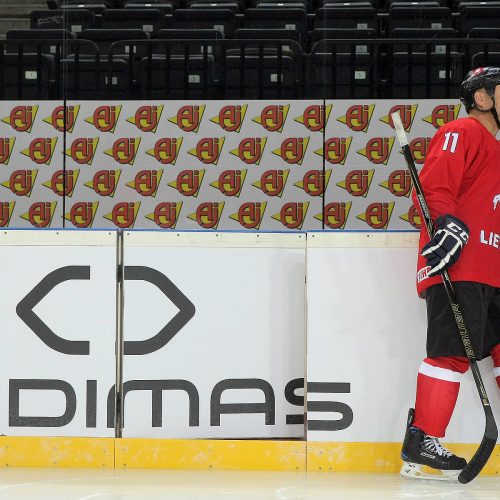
(461, 177)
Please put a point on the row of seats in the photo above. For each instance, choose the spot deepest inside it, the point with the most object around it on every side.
(381, 6)
(281, 15)
(228, 69)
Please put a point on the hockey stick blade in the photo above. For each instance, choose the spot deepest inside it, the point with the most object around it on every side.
(478, 461)
(483, 453)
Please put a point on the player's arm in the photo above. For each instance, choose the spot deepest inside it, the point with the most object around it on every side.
(441, 180)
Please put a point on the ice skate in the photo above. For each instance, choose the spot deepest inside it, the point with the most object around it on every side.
(425, 458)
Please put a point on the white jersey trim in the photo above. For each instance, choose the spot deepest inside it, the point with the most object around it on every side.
(440, 373)
(496, 371)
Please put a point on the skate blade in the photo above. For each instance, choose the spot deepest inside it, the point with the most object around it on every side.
(417, 471)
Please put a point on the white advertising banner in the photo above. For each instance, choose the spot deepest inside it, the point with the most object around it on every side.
(214, 335)
(366, 332)
(57, 310)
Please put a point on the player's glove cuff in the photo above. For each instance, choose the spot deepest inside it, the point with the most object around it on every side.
(444, 248)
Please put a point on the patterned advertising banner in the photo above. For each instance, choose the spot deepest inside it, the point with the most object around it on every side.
(249, 165)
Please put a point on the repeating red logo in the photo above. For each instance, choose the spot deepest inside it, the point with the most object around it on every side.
(208, 150)
(335, 150)
(63, 182)
(22, 118)
(230, 182)
(315, 182)
(6, 148)
(147, 118)
(82, 214)
(40, 150)
(358, 117)
(293, 214)
(315, 117)
(83, 149)
(124, 150)
(40, 214)
(146, 182)
(378, 150)
(357, 182)
(105, 118)
(273, 117)
(124, 214)
(21, 182)
(335, 214)
(272, 182)
(230, 118)
(166, 214)
(188, 118)
(250, 150)
(6, 209)
(250, 214)
(377, 215)
(413, 217)
(166, 150)
(442, 114)
(399, 183)
(419, 147)
(105, 182)
(208, 214)
(293, 150)
(406, 112)
(63, 118)
(188, 182)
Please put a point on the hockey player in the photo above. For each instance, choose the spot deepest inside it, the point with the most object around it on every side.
(461, 183)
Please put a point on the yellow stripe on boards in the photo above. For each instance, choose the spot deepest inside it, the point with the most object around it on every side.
(211, 454)
(378, 457)
(56, 452)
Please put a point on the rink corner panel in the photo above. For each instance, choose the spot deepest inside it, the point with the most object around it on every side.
(16, 451)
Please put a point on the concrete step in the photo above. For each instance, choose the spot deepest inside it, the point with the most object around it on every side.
(19, 10)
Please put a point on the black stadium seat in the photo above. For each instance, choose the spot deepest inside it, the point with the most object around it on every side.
(429, 76)
(95, 8)
(166, 8)
(419, 17)
(347, 17)
(26, 76)
(336, 75)
(254, 73)
(176, 77)
(223, 20)
(288, 19)
(85, 79)
(149, 20)
(208, 39)
(484, 16)
(103, 38)
(73, 20)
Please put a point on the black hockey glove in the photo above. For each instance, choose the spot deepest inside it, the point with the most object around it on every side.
(444, 249)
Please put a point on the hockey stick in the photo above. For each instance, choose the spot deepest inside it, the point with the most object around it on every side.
(478, 461)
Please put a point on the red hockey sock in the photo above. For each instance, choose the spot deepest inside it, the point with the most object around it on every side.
(495, 354)
(438, 383)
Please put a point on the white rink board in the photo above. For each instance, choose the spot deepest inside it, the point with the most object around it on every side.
(75, 310)
(366, 327)
(248, 294)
